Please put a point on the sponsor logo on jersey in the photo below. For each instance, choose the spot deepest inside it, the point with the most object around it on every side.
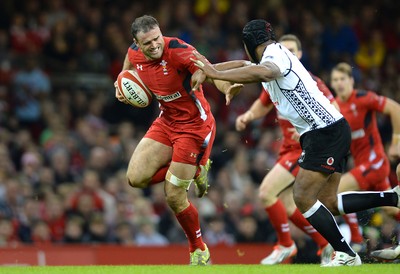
(140, 67)
(330, 161)
(170, 97)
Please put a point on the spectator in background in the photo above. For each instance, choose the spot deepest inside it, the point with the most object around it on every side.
(41, 234)
(31, 85)
(55, 217)
(124, 234)
(8, 235)
(93, 58)
(338, 41)
(74, 230)
(216, 233)
(147, 234)
(98, 231)
(30, 214)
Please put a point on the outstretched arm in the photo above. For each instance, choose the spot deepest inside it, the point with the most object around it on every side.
(230, 90)
(249, 74)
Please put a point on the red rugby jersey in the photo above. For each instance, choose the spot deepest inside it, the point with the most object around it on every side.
(169, 78)
(360, 112)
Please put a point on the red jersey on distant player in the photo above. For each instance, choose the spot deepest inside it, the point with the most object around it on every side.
(169, 78)
(288, 143)
(360, 112)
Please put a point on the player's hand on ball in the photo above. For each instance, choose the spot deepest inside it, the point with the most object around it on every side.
(118, 94)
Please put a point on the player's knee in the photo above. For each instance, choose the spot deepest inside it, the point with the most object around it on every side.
(302, 199)
(398, 172)
(174, 201)
(135, 181)
(265, 196)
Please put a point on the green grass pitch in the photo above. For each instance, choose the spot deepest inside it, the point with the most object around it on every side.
(217, 269)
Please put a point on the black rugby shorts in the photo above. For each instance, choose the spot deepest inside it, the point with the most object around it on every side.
(326, 149)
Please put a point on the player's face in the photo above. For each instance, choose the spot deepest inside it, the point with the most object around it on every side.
(151, 43)
(292, 47)
(341, 82)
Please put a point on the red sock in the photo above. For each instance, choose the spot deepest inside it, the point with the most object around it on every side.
(298, 220)
(279, 220)
(159, 176)
(189, 220)
(352, 221)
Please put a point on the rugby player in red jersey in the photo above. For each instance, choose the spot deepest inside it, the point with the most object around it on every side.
(280, 179)
(371, 165)
(177, 146)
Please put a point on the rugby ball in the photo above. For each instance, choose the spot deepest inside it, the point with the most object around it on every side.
(133, 89)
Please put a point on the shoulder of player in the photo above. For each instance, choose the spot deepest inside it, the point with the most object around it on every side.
(174, 43)
(363, 93)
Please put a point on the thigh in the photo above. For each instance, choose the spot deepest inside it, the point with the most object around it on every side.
(148, 157)
(348, 183)
(307, 186)
(277, 179)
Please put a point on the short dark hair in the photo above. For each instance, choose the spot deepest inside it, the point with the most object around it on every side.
(291, 37)
(144, 23)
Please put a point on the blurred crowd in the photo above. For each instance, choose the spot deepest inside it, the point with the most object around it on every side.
(64, 148)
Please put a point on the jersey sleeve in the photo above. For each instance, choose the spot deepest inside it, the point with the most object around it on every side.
(264, 98)
(279, 57)
(375, 101)
(181, 52)
(322, 87)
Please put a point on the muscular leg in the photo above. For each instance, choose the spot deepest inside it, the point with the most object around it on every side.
(177, 200)
(277, 179)
(298, 219)
(148, 157)
(347, 183)
(310, 186)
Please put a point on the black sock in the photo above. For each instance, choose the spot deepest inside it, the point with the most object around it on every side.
(355, 201)
(324, 222)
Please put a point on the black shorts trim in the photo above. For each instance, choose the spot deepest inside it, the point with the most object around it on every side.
(326, 149)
